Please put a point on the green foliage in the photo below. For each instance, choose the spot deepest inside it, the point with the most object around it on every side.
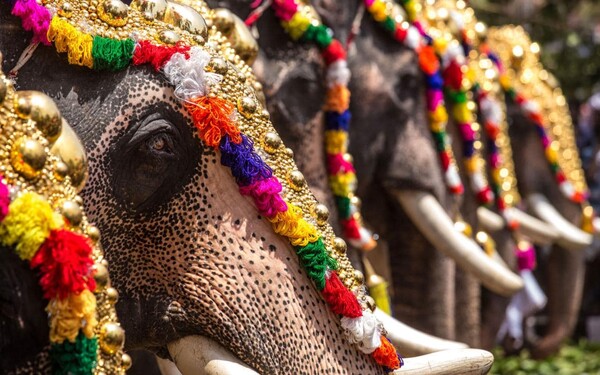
(582, 358)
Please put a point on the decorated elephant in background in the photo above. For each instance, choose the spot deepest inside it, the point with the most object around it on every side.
(385, 78)
(190, 256)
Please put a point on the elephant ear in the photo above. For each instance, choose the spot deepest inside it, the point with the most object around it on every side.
(50, 253)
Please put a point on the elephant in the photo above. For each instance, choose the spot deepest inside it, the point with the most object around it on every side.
(201, 276)
(384, 143)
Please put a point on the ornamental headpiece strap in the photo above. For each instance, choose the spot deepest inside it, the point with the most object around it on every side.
(217, 88)
(41, 217)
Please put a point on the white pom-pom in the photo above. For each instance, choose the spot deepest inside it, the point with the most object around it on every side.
(530, 106)
(188, 75)
(452, 176)
(457, 19)
(413, 38)
(366, 237)
(567, 189)
(491, 110)
(338, 74)
(478, 181)
(364, 331)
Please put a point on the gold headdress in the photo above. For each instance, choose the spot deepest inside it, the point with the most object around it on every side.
(42, 217)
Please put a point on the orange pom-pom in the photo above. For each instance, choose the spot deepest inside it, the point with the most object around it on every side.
(213, 117)
(428, 60)
(338, 99)
(386, 355)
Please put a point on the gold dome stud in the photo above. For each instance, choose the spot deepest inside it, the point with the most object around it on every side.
(218, 65)
(72, 212)
(100, 273)
(185, 18)
(28, 157)
(359, 277)
(289, 152)
(126, 361)
(113, 12)
(339, 245)
(93, 233)
(42, 110)
(247, 106)
(296, 180)
(61, 171)
(112, 295)
(272, 142)
(152, 9)
(65, 10)
(70, 151)
(169, 37)
(243, 42)
(370, 302)
(321, 214)
(111, 338)
(224, 21)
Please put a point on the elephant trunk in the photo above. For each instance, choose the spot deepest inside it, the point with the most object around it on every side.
(433, 222)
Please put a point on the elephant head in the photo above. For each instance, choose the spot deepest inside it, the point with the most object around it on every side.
(293, 86)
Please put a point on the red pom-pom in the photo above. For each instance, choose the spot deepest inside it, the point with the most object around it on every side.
(340, 299)
(146, 52)
(445, 158)
(560, 177)
(386, 355)
(578, 197)
(536, 118)
(453, 76)
(458, 189)
(485, 196)
(400, 34)
(492, 130)
(351, 229)
(334, 52)
(65, 262)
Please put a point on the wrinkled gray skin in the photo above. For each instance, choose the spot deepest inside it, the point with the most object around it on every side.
(188, 254)
(563, 271)
(392, 148)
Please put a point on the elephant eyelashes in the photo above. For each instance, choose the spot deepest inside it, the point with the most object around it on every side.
(152, 159)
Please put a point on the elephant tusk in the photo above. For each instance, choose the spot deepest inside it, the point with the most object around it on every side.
(198, 355)
(433, 221)
(410, 341)
(596, 225)
(489, 220)
(538, 231)
(570, 237)
(449, 362)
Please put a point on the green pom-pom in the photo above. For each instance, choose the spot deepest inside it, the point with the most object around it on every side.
(111, 54)
(316, 261)
(343, 206)
(74, 358)
(320, 34)
(440, 140)
(511, 94)
(389, 24)
(457, 96)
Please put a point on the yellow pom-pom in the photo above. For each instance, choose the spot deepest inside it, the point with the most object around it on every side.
(342, 184)
(336, 141)
(378, 10)
(28, 223)
(504, 81)
(292, 225)
(439, 115)
(462, 114)
(297, 25)
(67, 316)
(440, 45)
(68, 39)
(472, 164)
(551, 155)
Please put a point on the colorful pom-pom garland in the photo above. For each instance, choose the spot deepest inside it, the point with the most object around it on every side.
(215, 119)
(444, 73)
(342, 175)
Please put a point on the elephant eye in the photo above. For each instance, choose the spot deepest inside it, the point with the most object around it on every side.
(152, 159)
